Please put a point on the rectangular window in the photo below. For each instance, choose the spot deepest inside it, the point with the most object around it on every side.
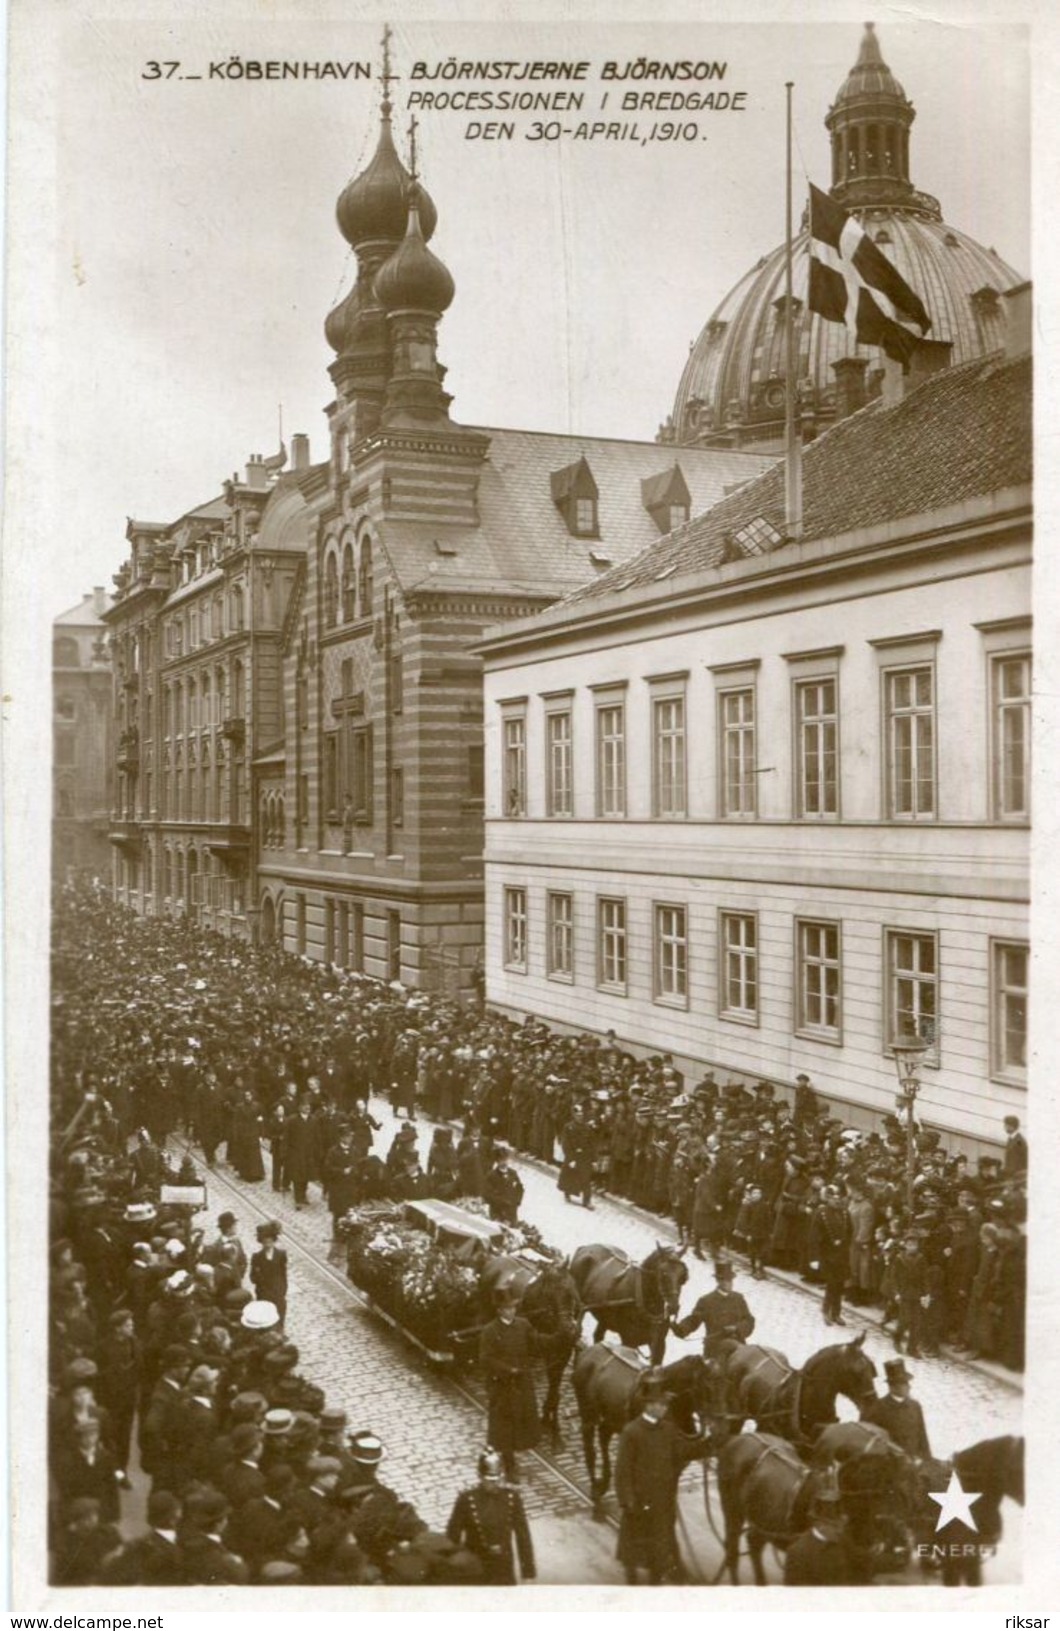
(561, 937)
(611, 759)
(910, 717)
(515, 766)
(393, 945)
(1011, 688)
(360, 771)
(299, 925)
(1010, 966)
(668, 757)
(817, 974)
(585, 515)
(559, 791)
(515, 929)
(329, 930)
(912, 988)
(397, 797)
(671, 955)
(817, 728)
(331, 775)
(737, 733)
(612, 944)
(397, 682)
(303, 802)
(476, 771)
(342, 934)
(738, 997)
(357, 938)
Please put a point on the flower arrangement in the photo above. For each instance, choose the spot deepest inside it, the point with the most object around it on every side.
(418, 1282)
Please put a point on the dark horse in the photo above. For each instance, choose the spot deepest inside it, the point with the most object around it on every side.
(549, 1300)
(767, 1491)
(608, 1384)
(762, 1386)
(993, 1469)
(638, 1301)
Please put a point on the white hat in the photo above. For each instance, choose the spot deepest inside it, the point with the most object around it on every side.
(259, 1316)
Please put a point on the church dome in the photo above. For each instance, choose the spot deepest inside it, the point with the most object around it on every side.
(375, 204)
(414, 279)
(732, 388)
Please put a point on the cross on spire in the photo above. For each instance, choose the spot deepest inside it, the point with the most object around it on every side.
(387, 76)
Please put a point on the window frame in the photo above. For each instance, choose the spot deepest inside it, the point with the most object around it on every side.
(619, 933)
(891, 935)
(802, 687)
(556, 806)
(669, 691)
(732, 680)
(804, 1026)
(747, 953)
(555, 969)
(996, 660)
(676, 998)
(606, 701)
(513, 718)
(1000, 1070)
(893, 713)
(515, 928)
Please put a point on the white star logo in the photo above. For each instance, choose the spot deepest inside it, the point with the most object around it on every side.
(955, 1505)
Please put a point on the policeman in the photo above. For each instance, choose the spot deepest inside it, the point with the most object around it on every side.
(490, 1520)
(723, 1313)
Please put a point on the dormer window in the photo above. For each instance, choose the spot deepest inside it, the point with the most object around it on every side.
(666, 498)
(576, 496)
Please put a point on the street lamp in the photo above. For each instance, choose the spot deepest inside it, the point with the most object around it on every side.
(909, 1055)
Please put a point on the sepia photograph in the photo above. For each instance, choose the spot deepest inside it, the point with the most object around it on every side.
(519, 686)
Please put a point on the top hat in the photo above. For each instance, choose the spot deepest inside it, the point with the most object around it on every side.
(895, 1371)
(723, 1269)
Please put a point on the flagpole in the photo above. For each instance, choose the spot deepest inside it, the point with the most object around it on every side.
(792, 434)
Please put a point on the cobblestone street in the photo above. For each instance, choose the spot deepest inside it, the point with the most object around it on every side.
(433, 1426)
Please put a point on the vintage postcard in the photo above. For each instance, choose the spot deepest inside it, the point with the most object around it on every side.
(527, 1016)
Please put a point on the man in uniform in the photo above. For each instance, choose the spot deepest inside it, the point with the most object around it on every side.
(504, 1189)
(723, 1313)
(830, 1251)
(652, 1454)
(898, 1414)
(507, 1348)
(490, 1520)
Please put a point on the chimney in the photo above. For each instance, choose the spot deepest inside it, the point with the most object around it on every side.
(849, 385)
(257, 475)
(1019, 314)
(99, 601)
(928, 357)
(300, 451)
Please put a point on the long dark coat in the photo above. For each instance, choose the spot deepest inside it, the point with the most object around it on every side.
(651, 1457)
(506, 1353)
(299, 1141)
(488, 1521)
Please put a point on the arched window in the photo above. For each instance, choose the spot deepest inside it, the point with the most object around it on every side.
(281, 821)
(366, 578)
(349, 585)
(193, 706)
(237, 689)
(207, 700)
(235, 609)
(331, 591)
(178, 708)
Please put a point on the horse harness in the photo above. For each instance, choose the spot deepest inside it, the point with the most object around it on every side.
(796, 1396)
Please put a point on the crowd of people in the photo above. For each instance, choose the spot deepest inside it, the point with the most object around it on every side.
(160, 1027)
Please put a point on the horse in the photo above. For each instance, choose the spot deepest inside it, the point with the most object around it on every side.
(549, 1300)
(992, 1469)
(763, 1386)
(608, 1385)
(768, 1491)
(637, 1301)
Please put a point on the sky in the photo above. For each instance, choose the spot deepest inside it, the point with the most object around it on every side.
(194, 254)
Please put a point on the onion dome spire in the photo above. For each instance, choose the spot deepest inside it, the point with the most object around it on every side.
(869, 124)
(414, 279)
(373, 206)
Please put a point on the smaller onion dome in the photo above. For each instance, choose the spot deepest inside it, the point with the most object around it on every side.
(374, 204)
(338, 322)
(413, 278)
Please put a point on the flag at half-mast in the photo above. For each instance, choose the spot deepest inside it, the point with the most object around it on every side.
(853, 282)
